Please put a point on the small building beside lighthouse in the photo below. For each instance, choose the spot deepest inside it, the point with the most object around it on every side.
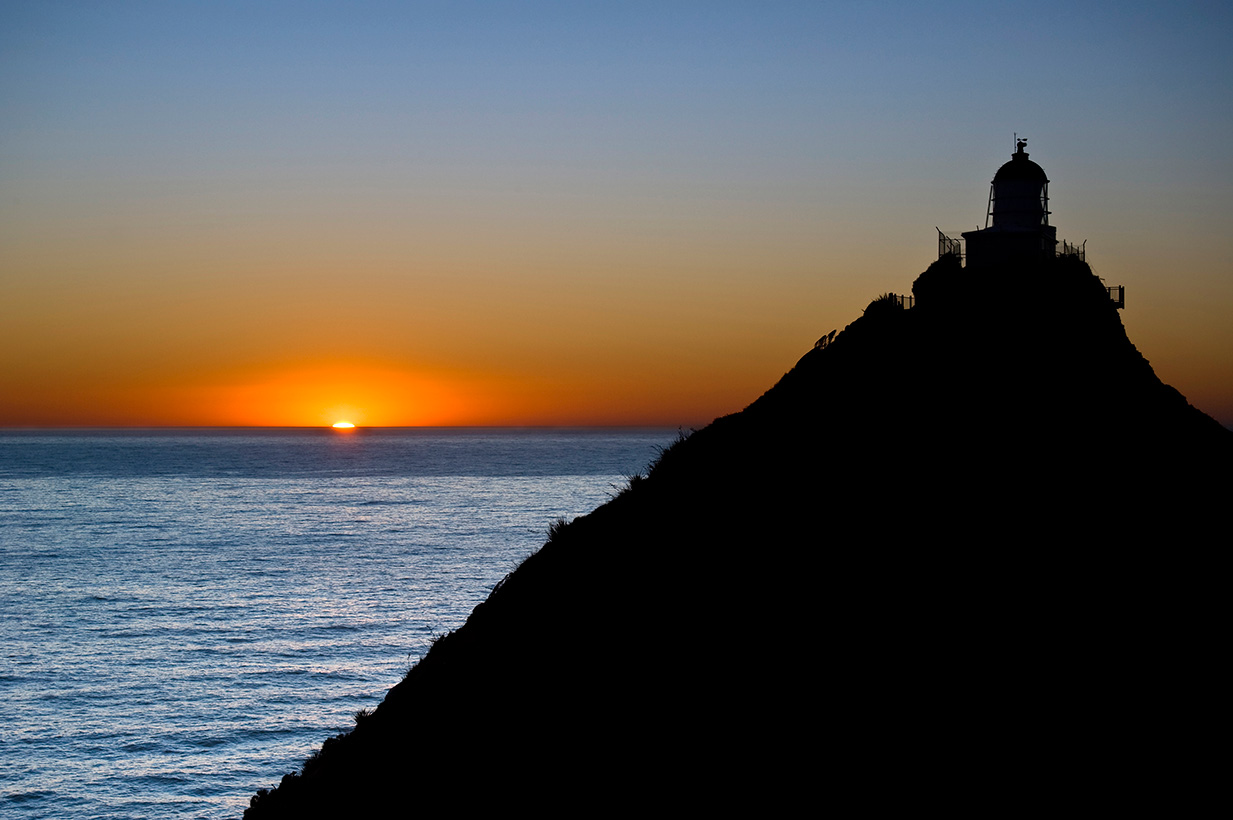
(1017, 225)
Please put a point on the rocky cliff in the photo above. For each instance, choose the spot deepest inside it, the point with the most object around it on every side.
(965, 555)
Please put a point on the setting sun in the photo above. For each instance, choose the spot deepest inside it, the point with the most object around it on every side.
(343, 425)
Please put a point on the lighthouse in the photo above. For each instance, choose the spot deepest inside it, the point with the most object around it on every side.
(1017, 228)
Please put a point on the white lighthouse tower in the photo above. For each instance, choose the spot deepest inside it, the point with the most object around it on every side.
(1017, 228)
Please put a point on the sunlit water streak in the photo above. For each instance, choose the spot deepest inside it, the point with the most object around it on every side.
(185, 615)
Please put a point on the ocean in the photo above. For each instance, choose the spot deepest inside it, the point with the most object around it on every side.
(185, 615)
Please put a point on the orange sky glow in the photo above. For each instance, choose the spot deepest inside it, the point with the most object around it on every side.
(545, 218)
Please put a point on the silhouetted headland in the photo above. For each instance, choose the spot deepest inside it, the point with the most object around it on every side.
(964, 548)
(962, 555)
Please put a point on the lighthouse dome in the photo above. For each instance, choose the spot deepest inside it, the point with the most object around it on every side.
(1019, 199)
(1020, 169)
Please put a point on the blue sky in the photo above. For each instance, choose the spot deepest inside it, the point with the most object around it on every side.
(772, 165)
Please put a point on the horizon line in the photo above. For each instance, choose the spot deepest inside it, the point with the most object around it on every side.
(15, 427)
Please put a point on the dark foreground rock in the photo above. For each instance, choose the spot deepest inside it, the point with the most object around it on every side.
(966, 556)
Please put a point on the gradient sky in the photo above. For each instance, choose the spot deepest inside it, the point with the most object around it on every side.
(565, 213)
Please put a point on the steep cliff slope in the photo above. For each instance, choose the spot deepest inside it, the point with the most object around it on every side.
(967, 550)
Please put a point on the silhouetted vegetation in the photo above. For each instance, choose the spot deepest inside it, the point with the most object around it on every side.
(967, 550)
(884, 302)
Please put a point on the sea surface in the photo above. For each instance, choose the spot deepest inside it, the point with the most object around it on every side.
(186, 614)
